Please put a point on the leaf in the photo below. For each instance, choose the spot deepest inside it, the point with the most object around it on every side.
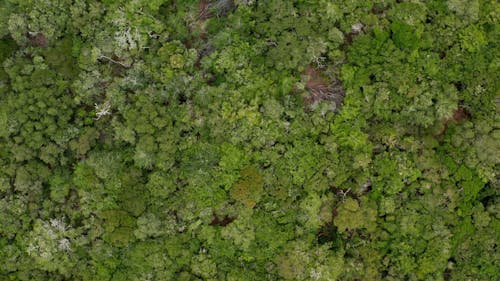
(249, 187)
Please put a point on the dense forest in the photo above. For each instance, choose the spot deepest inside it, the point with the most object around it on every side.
(249, 140)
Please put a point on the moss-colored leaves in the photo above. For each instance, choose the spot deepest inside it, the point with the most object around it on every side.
(249, 188)
(352, 217)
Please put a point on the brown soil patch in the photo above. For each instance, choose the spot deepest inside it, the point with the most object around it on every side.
(459, 115)
(38, 39)
(204, 10)
(320, 89)
(217, 221)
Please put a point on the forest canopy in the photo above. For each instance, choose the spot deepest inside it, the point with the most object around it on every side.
(249, 140)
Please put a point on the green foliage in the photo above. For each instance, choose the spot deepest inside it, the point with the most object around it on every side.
(248, 189)
(60, 57)
(353, 217)
(249, 140)
(404, 36)
(7, 48)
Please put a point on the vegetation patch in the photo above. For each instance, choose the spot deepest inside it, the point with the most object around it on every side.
(249, 140)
